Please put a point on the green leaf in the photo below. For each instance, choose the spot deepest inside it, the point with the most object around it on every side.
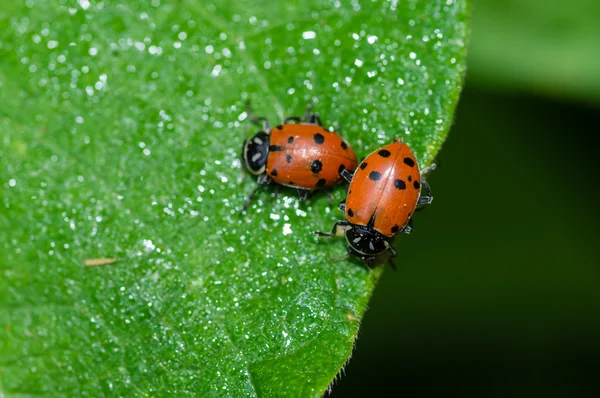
(537, 45)
(121, 130)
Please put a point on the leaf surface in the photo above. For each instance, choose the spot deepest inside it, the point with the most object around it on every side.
(121, 127)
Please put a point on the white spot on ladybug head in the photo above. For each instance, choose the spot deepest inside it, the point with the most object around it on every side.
(258, 141)
(256, 156)
(371, 246)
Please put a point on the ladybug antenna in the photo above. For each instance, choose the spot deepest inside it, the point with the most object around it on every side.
(398, 139)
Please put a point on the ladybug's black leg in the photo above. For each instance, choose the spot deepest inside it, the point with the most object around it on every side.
(294, 119)
(393, 254)
(342, 205)
(263, 121)
(303, 193)
(346, 174)
(262, 180)
(315, 119)
(334, 230)
(424, 200)
(408, 227)
(249, 198)
(429, 168)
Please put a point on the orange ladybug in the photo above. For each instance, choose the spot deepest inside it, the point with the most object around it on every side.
(384, 193)
(299, 153)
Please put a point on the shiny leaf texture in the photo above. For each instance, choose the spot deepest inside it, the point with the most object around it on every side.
(121, 128)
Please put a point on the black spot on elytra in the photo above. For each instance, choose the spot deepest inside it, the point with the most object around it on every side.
(395, 229)
(279, 127)
(275, 148)
(319, 139)
(288, 158)
(384, 153)
(316, 166)
(291, 183)
(290, 140)
(409, 162)
(341, 168)
(344, 145)
(417, 185)
(409, 178)
(401, 185)
(363, 165)
(374, 175)
(350, 213)
(321, 183)
(274, 172)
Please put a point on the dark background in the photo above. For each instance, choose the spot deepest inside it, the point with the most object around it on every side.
(497, 292)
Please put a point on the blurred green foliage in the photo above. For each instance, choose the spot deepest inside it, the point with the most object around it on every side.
(549, 47)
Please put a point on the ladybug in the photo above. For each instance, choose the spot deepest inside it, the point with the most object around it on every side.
(384, 193)
(299, 153)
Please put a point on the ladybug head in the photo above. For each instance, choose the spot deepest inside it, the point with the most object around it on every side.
(255, 152)
(365, 242)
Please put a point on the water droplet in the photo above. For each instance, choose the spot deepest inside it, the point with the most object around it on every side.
(287, 229)
(309, 35)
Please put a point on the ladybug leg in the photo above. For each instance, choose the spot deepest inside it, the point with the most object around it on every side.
(408, 227)
(346, 175)
(342, 205)
(262, 180)
(334, 230)
(429, 168)
(249, 198)
(303, 193)
(424, 200)
(263, 121)
(393, 254)
(294, 119)
(315, 119)
(311, 117)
